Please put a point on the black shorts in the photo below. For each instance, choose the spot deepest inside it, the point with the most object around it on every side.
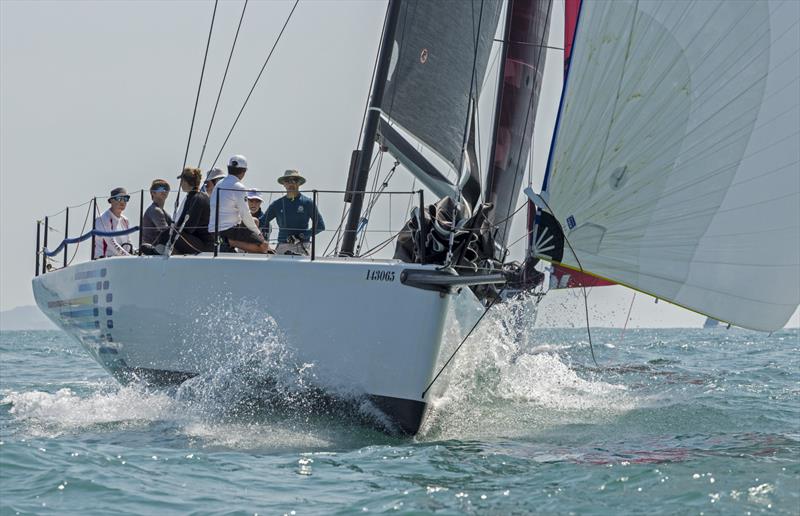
(242, 233)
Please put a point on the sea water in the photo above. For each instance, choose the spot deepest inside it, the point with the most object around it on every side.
(677, 421)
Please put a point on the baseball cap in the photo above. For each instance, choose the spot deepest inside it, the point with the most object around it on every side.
(237, 161)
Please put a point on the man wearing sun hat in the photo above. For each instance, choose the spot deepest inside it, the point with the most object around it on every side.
(113, 220)
(235, 222)
(214, 176)
(292, 212)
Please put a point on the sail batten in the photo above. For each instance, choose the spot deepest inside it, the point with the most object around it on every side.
(674, 168)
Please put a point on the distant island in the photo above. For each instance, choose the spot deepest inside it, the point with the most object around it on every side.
(25, 318)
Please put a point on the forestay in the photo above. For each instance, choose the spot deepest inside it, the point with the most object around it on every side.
(675, 162)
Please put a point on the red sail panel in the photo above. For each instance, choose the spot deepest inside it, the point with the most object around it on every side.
(522, 67)
(571, 9)
(561, 277)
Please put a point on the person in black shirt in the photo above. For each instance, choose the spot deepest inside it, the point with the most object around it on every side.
(194, 237)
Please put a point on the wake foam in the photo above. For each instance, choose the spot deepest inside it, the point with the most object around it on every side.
(503, 382)
(255, 394)
(50, 414)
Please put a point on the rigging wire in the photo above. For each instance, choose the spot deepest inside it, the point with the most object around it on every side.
(491, 304)
(83, 229)
(222, 85)
(345, 211)
(255, 83)
(580, 266)
(197, 99)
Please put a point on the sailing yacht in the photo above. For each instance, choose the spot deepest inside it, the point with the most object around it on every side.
(673, 170)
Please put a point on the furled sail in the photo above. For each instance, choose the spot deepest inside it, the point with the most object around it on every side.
(522, 66)
(431, 85)
(674, 168)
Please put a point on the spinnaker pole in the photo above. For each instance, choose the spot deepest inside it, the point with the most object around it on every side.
(370, 128)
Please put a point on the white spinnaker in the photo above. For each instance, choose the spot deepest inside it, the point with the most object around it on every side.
(676, 162)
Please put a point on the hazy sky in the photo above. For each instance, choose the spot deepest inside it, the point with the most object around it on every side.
(95, 95)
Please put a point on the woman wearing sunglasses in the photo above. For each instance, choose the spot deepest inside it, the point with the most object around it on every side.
(113, 220)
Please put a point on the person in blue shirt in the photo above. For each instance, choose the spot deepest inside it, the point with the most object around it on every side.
(293, 213)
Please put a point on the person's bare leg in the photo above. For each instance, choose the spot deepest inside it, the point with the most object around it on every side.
(262, 248)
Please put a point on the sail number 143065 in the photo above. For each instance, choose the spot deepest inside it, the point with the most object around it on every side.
(380, 275)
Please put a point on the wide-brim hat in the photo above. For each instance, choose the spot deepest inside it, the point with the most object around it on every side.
(292, 174)
(215, 173)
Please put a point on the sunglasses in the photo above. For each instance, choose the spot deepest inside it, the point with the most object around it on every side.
(291, 180)
(121, 198)
(160, 189)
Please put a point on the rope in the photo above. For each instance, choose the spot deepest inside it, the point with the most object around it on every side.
(255, 83)
(222, 85)
(197, 98)
(627, 318)
(585, 296)
(88, 235)
(491, 304)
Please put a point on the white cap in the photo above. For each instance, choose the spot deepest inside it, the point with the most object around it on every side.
(237, 161)
(253, 194)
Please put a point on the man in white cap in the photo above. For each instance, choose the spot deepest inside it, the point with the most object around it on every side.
(235, 222)
(254, 202)
(113, 220)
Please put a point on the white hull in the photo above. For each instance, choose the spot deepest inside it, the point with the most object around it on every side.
(173, 318)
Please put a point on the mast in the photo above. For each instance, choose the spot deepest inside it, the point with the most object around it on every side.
(370, 128)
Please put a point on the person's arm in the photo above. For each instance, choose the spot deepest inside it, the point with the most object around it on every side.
(98, 240)
(266, 219)
(320, 223)
(160, 219)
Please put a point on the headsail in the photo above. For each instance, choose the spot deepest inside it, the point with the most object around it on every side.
(522, 66)
(675, 163)
(437, 45)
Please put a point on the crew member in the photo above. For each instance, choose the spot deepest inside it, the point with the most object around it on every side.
(155, 220)
(214, 176)
(193, 221)
(235, 222)
(113, 220)
(293, 212)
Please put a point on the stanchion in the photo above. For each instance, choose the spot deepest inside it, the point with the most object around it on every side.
(94, 223)
(141, 212)
(216, 224)
(66, 234)
(44, 256)
(423, 227)
(314, 229)
(38, 243)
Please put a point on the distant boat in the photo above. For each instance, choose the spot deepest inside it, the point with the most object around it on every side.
(710, 323)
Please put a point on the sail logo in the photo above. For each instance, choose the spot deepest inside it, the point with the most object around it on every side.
(423, 56)
(571, 222)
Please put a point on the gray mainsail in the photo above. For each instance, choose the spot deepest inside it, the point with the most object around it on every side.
(429, 91)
